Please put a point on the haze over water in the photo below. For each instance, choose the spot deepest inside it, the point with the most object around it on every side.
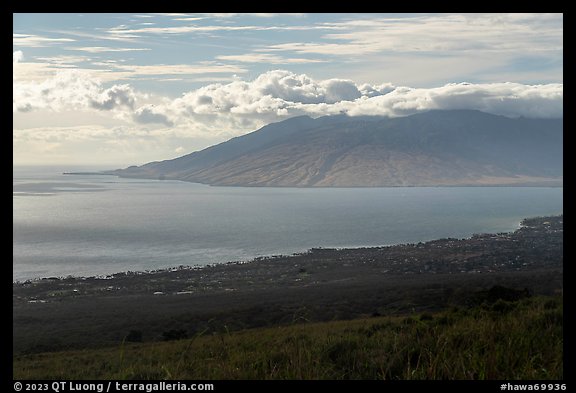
(91, 225)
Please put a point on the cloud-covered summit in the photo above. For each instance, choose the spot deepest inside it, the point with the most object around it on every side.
(133, 88)
(274, 93)
(283, 93)
(280, 94)
(217, 112)
(241, 106)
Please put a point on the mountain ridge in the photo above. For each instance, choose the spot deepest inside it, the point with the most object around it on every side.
(433, 148)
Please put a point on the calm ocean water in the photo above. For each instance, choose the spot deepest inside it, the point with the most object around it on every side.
(89, 225)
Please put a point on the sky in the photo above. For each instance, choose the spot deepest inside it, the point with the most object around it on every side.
(115, 90)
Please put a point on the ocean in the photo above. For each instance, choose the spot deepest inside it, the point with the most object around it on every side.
(87, 225)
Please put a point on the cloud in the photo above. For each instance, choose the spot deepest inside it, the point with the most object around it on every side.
(508, 99)
(267, 58)
(225, 110)
(70, 90)
(177, 69)
(116, 96)
(240, 106)
(283, 93)
(192, 17)
(63, 60)
(258, 15)
(17, 57)
(123, 31)
(187, 19)
(170, 14)
(244, 105)
(148, 114)
(291, 87)
(116, 70)
(450, 33)
(88, 144)
(103, 49)
(139, 131)
(30, 40)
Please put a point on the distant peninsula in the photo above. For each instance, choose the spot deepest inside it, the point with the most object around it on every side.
(434, 148)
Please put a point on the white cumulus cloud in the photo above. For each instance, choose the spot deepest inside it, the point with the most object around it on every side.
(508, 99)
(243, 105)
(142, 129)
(225, 110)
(148, 114)
(272, 95)
(70, 90)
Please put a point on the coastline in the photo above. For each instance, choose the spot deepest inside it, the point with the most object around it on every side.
(283, 257)
(512, 182)
(320, 285)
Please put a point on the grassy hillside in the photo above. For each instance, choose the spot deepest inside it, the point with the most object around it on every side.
(495, 339)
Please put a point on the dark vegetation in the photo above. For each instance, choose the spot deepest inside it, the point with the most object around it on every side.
(487, 289)
(520, 339)
(134, 336)
(174, 334)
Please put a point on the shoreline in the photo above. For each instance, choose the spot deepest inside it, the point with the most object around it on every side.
(527, 225)
(537, 183)
(320, 285)
(519, 225)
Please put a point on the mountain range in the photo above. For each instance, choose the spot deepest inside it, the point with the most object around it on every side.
(434, 148)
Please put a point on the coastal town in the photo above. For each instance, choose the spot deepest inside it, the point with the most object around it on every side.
(538, 243)
(318, 285)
